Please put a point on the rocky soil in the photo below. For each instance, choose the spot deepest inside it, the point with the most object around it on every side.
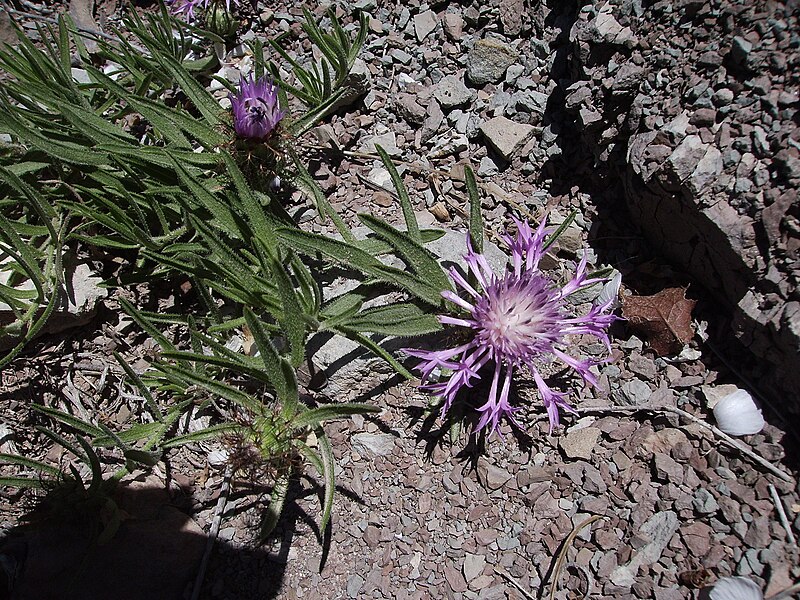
(671, 127)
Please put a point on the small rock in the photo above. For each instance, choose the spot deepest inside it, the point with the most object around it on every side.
(451, 92)
(740, 50)
(686, 156)
(506, 136)
(667, 469)
(487, 168)
(704, 502)
(455, 579)
(697, 538)
(627, 79)
(658, 530)
(473, 566)
(453, 26)
(387, 141)
(488, 60)
(409, 109)
(580, 443)
(376, 444)
(491, 475)
(354, 585)
(424, 24)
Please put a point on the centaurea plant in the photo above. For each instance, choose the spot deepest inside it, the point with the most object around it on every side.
(256, 109)
(517, 320)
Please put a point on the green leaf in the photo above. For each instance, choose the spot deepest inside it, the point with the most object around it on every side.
(419, 258)
(329, 465)
(402, 193)
(143, 389)
(475, 216)
(71, 420)
(291, 319)
(276, 503)
(223, 390)
(149, 459)
(400, 319)
(368, 343)
(25, 482)
(280, 373)
(202, 435)
(29, 463)
(309, 243)
(561, 229)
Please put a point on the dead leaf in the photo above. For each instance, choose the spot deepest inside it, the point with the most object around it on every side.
(665, 318)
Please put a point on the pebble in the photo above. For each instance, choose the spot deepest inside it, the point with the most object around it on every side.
(579, 444)
(488, 60)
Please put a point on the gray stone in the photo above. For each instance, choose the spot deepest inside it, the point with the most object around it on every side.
(424, 24)
(487, 168)
(354, 585)
(488, 60)
(740, 50)
(473, 566)
(387, 141)
(530, 101)
(506, 136)
(606, 29)
(451, 92)
(588, 116)
(722, 97)
(375, 444)
(401, 56)
(577, 94)
(704, 502)
(686, 156)
(627, 79)
(707, 170)
(636, 391)
(80, 75)
(579, 443)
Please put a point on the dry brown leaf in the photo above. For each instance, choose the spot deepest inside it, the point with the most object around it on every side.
(665, 318)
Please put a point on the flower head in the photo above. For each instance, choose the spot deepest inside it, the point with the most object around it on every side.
(186, 8)
(517, 320)
(256, 111)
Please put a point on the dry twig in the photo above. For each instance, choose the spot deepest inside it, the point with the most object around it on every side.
(213, 532)
(782, 515)
(562, 554)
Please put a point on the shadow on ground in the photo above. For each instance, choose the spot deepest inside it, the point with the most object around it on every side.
(155, 554)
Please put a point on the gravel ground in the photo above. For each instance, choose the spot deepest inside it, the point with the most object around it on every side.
(423, 514)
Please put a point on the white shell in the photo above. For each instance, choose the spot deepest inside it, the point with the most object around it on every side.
(735, 588)
(610, 291)
(737, 414)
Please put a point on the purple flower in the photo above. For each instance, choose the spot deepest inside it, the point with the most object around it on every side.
(186, 8)
(256, 112)
(518, 320)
